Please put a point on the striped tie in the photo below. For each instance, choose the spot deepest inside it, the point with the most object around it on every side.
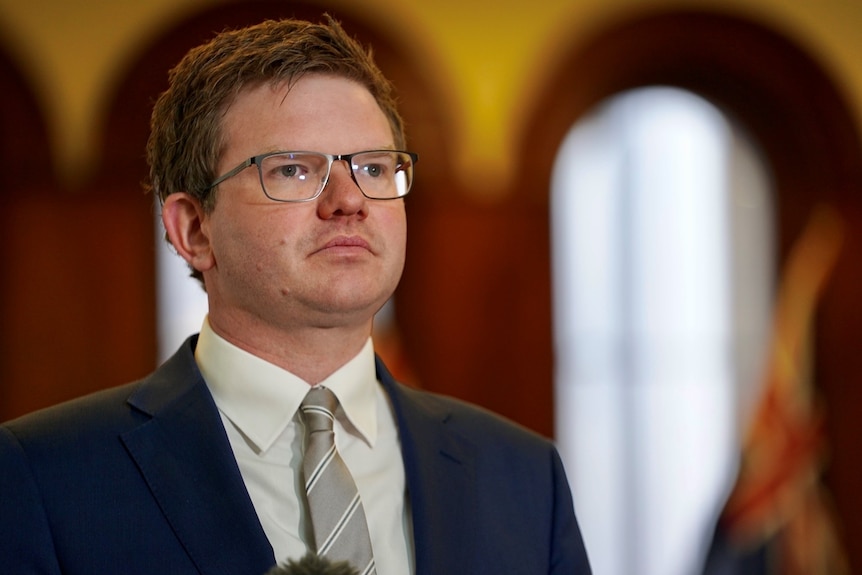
(337, 516)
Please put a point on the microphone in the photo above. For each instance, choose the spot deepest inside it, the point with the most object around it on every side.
(313, 564)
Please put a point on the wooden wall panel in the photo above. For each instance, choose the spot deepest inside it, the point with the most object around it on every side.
(77, 309)
(474, 306)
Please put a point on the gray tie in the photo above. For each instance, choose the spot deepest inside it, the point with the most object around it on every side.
(337, 516)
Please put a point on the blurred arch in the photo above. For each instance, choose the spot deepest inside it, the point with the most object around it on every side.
(26, 173)
(808, 133)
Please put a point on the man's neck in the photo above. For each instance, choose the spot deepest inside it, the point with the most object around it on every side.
(311, 353)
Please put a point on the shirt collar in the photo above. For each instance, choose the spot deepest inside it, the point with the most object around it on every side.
(261, 398)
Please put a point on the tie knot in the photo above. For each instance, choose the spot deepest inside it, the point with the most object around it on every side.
(318, 409)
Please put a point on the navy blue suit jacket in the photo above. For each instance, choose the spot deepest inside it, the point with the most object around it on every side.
(141, 479)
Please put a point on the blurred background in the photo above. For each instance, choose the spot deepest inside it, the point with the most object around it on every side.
(635, 229)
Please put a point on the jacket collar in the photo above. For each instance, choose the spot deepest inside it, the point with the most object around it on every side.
(185, 457)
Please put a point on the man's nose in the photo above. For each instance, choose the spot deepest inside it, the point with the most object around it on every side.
(342, 195)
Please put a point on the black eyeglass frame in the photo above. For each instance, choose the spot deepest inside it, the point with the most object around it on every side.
(330, 158)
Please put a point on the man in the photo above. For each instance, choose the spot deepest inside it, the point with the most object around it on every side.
(277, 155)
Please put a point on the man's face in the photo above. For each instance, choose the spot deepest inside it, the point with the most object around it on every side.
(329, 262)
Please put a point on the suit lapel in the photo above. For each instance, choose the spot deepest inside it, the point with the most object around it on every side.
(185, 457)
(440, 471)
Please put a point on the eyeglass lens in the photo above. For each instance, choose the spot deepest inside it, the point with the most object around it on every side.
(300, 176)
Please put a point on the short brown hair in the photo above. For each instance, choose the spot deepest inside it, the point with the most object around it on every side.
(185, 129)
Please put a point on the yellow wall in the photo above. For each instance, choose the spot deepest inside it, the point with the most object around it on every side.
(489, 56)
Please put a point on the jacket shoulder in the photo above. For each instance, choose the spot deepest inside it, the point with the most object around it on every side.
(109, 410)
(475, 423)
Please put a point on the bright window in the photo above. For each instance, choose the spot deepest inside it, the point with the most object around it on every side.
(662, 270)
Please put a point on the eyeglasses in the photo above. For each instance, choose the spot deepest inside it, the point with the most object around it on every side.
(302, 176)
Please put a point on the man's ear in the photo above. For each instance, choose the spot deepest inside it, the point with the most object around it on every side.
(184, 220)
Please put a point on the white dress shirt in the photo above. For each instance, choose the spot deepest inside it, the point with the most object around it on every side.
(259, 401)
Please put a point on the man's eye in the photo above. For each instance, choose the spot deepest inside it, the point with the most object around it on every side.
(374, 170)
(288, 170)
